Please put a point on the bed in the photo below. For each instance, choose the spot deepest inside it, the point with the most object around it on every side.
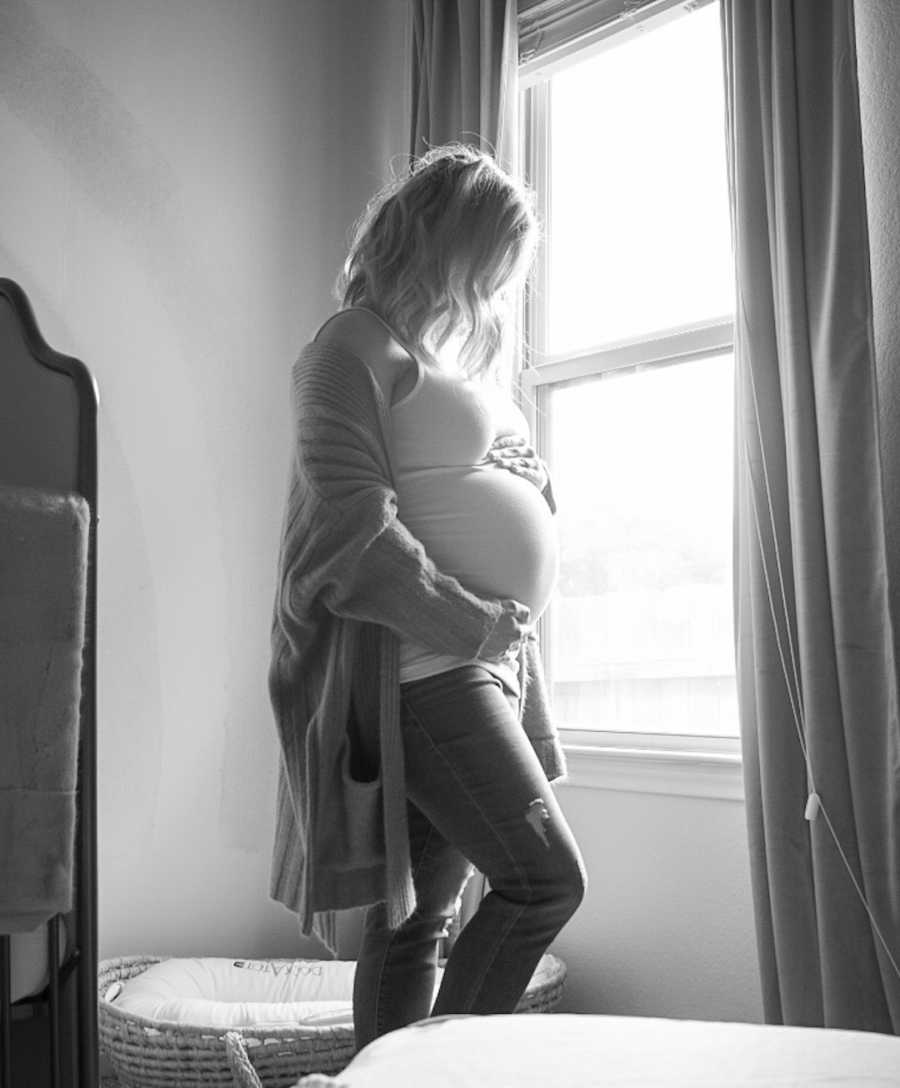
(48, 523)
(565, 1050)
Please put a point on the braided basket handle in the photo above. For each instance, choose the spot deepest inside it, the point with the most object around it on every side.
(241, 1068)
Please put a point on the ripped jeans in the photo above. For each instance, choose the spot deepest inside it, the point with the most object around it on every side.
(476, 795)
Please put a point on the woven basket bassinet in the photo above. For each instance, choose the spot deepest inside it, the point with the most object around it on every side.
(155, 1054)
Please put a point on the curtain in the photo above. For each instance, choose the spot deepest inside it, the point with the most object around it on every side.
(465, 76)
(816, 663)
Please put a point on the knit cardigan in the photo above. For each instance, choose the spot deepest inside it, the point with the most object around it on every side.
(351, 580)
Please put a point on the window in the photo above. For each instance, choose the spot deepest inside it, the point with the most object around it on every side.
(629, 320)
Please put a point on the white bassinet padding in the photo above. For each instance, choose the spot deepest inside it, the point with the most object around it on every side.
(217, 992)
(202, 1012)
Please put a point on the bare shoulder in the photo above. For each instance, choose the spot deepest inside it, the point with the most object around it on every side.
(361, 333)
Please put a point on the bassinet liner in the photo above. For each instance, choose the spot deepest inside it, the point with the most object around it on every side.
(161, 1054)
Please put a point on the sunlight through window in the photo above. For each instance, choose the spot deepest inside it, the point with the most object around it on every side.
(641, 236)
(642, 621)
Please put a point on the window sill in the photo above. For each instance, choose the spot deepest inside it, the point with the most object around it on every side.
(710, 774)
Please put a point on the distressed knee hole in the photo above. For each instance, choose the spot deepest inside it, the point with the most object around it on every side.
(538, 817)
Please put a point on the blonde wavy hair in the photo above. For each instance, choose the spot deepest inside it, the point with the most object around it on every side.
(442, 254)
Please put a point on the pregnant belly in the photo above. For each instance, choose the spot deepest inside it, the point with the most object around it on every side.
(490, 529)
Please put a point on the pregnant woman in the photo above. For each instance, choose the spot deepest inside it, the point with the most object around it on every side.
(418, 550)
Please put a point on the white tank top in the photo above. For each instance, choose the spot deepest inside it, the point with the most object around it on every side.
(487, 527)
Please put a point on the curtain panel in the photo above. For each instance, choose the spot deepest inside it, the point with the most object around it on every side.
(816, 663)
(464, 76)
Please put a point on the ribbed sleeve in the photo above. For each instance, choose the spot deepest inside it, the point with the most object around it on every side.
(375, 569)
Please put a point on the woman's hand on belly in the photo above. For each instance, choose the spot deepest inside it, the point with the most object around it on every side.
(512, 451)
(502, 645)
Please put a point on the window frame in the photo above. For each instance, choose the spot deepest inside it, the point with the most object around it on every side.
(681, 764)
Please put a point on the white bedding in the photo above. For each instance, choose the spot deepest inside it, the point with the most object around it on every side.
(563, 1050)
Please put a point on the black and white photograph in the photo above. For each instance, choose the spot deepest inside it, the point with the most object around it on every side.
(449, 543)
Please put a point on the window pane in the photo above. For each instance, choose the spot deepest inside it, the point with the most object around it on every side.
(641, 628)
(639, 234)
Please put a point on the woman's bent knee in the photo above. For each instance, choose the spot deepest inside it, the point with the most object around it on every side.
(556, 892)
(564, 895)
(571, 884)
(574, 888)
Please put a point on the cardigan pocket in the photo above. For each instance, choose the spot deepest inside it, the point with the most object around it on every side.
(355, 839)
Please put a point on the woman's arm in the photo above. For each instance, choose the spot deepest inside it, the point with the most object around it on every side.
(359, 559)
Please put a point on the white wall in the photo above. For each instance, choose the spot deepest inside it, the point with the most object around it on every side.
(666, 928)
(177, 181)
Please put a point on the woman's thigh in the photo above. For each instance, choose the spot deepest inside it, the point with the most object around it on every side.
(471, 770)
